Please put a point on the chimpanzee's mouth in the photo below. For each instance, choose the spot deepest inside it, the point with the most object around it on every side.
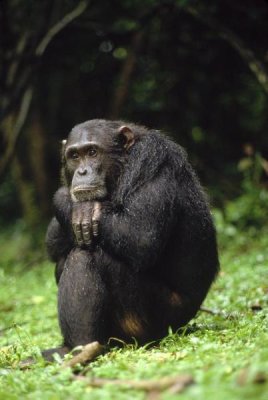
(84, 193)
(78, 189)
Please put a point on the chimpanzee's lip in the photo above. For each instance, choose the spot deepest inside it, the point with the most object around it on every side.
(83, 188)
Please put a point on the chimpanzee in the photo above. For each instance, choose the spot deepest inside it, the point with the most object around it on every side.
(132, 235)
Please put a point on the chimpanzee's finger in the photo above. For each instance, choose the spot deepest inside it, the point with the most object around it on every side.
(78, 234)
(87, 233)
(96, 218)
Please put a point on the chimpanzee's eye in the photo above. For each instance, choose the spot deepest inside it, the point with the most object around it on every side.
(74, 155)
(92, 151)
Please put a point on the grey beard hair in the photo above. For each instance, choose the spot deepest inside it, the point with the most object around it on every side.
(89, 195)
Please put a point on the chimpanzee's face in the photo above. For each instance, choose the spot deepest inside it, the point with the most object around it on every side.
(91, 155)
(85, 158)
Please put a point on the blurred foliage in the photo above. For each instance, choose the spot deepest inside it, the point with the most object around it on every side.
(21, 246)
(183, 76)
(247, 212)
(8, 200)
(251, 207)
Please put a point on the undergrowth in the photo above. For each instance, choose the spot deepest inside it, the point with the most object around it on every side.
(225, 351)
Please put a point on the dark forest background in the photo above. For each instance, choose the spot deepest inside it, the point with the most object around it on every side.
(195, 69)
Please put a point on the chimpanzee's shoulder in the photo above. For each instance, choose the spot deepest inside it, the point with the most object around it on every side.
(156, 144)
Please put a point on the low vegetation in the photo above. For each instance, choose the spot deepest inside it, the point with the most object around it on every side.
(223, 351)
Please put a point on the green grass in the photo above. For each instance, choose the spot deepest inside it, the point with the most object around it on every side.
(226, 355)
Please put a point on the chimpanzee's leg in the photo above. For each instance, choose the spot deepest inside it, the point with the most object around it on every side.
(59, 268)
(82, 300)
(145, 307)
(58, 241)
(59, 244)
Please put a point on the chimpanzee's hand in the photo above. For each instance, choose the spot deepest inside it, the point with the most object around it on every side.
(85, 221)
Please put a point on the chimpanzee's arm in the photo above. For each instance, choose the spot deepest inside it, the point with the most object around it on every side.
(63, 208)
(74, 218)
(58, 241)
(59, 237)
(140, 231)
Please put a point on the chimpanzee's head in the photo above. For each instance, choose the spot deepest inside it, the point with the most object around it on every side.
(92, 156)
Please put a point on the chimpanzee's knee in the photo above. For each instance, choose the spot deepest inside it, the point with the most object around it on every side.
(82, 300)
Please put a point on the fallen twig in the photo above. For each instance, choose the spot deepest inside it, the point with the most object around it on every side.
(3, 330)
(175, 384)
(87, 354)
(218, 313)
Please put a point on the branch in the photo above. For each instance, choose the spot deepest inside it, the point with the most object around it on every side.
(59, 26)
(12, 134)
(21, 88)
(21, 45)
(175, 384)
(2, 331)
(219, 313)
(256, 66)
(22, 82)
(88, 353)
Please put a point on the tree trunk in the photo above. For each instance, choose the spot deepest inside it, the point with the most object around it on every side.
(36, 137)
(128, 67)
(30, 174)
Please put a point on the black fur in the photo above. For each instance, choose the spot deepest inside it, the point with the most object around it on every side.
(156, 255)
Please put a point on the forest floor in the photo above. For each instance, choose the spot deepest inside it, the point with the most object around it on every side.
(224, 353)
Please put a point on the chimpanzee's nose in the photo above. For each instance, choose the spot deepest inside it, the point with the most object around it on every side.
(82, 171)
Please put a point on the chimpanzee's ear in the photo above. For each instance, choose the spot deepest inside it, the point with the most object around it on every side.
(126, 136)
(63, 148)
